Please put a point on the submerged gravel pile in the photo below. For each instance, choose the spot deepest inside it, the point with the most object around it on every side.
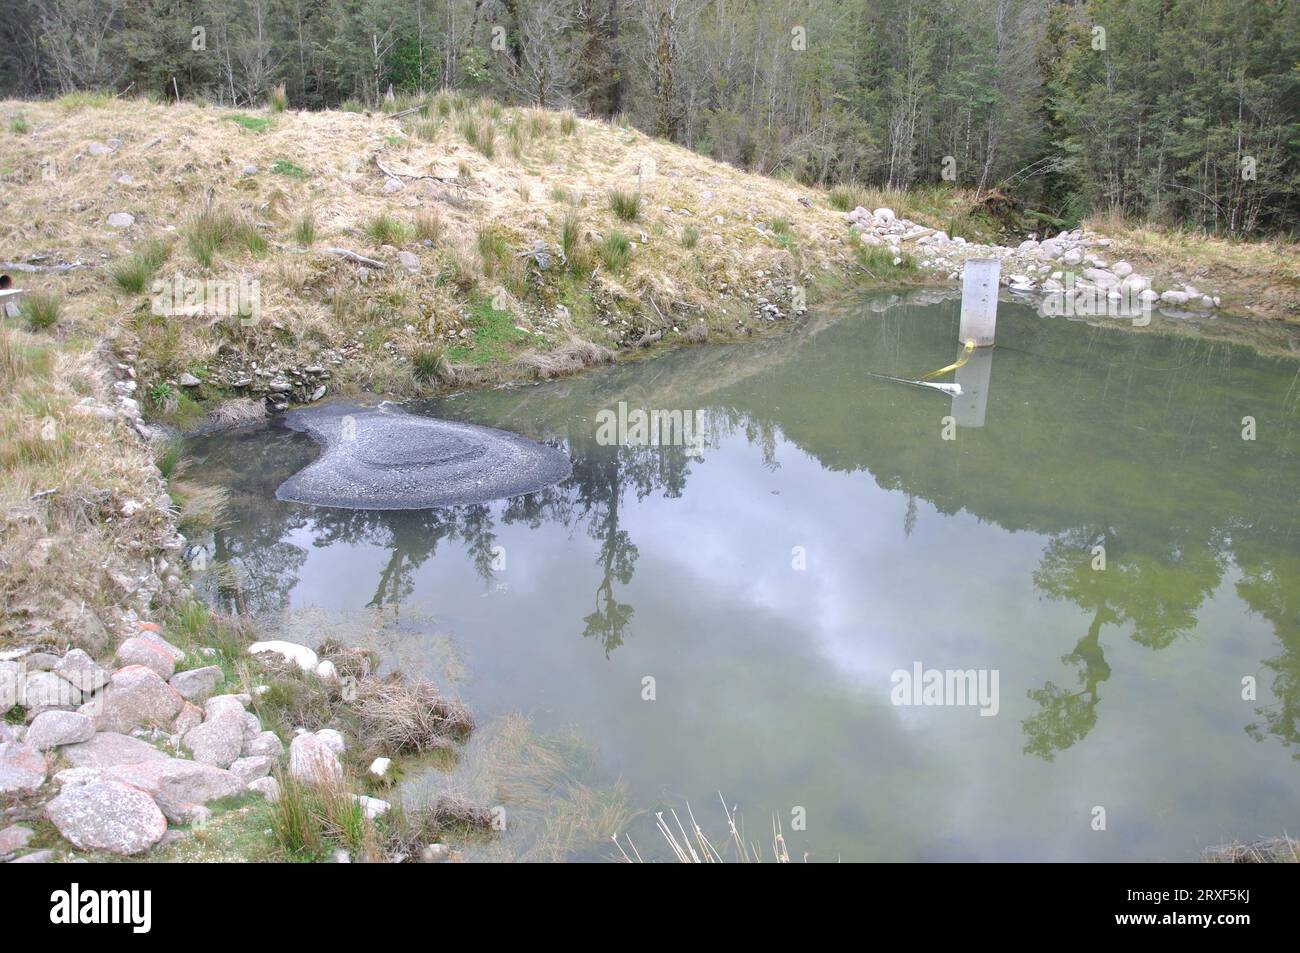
(386, 459)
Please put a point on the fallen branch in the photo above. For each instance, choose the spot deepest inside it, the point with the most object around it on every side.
(407, 112)
(354, 257)
(394, 174)
(57, 269)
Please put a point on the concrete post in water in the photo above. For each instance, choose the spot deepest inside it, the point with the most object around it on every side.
(973, 376)
(979, 300)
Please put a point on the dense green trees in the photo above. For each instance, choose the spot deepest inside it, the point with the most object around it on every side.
(1178, 110)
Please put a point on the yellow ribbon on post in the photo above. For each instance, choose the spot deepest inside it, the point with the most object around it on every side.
(965, 356)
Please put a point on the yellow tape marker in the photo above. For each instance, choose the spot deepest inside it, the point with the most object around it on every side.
(965, 356)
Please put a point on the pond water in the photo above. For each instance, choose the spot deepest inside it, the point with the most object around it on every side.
(825, 536)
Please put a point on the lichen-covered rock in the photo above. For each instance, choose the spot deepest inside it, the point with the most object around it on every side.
(50, 729)
(250, 769)
(197, 684)
(312, 760)
(179, 787)
(269, 788)
(141, 651)
(107, 815)
(108, 749)
(265, 743)
(134, 696)
(82, 672)
(22, 768)
(218, 740)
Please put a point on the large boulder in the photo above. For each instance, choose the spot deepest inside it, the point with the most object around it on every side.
(134, 696)
(22, 768)
(197, 684)
(313, 761)
(300, 655)
(50, 729)
(179, 787)
(218, 740)
(107, 815)
(108, 748)
(10, 673)
(146, 652)
(38, 691)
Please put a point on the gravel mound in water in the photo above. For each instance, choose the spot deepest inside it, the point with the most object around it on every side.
(387, 459)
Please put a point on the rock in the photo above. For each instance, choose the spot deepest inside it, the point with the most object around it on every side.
(40, 661)
(140, 651)
(22, 768)
(197, 684)
(151, 635)
(1122, 269)
(434, 853)
(179, 787)
(81, 626)
(35, 857)
(218, 740)
(1173, 297)
(188, 380)
(372, 806)
(121, 220)
(266, 743)
(10, 682)
(14, 838)
(312, 760)
(269, 788)
(108, 749)
(250, 769)
(1072, 257)
(134, 696)
(107, 815)
(220, 704)
(409, 261)
(1207, 302)
(379, 767)
(249, 170)
(334, 739)
(318, 393)
(302, 656)
(885, 215)
(393, 185)
(191, 716)
(81, 671)
(1101, 278)
(41, 690)
(50, 729)
(99, 149)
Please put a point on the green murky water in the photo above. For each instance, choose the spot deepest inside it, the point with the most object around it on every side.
(826, 536)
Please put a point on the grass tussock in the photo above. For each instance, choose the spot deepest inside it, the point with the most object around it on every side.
(625, 204)
(277, 100)
(386, 229)
(304, 228)
(615, 250)
(214, 230)
(481, 134)
(135, 274)
(40, 310)
(689, 844)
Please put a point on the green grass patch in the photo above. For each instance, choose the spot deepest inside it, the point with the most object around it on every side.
(385, 229)
(304, 229)
(212, 230)
(251, 123)
(19, 126)
(495, 335)
(287, 168)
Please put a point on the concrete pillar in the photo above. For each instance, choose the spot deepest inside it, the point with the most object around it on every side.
(974, 377)
(979, 301)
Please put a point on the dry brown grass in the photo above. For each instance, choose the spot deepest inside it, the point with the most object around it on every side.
(1275, 850)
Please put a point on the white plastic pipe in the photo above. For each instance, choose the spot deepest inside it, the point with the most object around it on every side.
(979, 301)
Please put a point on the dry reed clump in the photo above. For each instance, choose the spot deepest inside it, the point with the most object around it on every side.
(400, 717)
(569, 358)
(694, 846)
(235, 412)
(1273, 850)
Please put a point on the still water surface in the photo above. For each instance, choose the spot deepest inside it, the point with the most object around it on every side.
(828, 535)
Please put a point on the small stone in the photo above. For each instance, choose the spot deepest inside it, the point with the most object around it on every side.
(393, 185)
(188, 380)
(409, 261)
(372, 806)
(121, 220)
(379, 767)
(326, 671)
(266, 743)
(14, 838)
